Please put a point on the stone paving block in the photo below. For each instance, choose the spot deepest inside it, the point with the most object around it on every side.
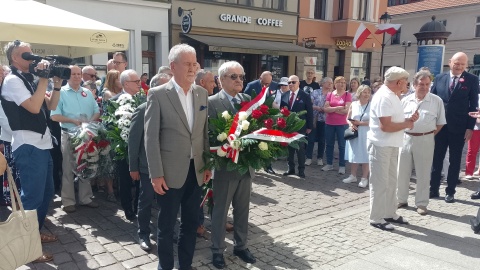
(45, 266)
(94, 248)
(125, 239)
(113, 247)
(135, 250)
(116, 266)
(154, 265)
(53, 248)
(88, 264)
(136, 262)
(68, 266)
(74, 247)
(105, 259)
(81, 256)
(122, 255)
(62, 257)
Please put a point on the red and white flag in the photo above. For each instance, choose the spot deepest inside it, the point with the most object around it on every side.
(361, 35)
(388, 28)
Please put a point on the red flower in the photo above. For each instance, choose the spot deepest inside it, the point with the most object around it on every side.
(264, 109)
(243, 103)
(281, 123)
(268, 123)
(103, 143)
(284, 144)
(285, 112)
(256, 114)
(461, 80)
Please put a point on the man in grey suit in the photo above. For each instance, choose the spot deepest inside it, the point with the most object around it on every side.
(230, 186)
(176, 135)
(137, 160)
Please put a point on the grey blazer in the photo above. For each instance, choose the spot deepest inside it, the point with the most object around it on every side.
(219, 103)
(137, 157)
(168, 139)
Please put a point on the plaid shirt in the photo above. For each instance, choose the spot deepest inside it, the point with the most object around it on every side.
(318, 99)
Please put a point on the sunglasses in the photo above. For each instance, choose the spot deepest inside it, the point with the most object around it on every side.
(92, 75)
(236, 76)
(117, 63)
(292, 82)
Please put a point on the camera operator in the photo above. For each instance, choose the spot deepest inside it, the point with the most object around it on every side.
(25, 107)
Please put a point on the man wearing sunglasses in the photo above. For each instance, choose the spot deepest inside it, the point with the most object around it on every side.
(230, 187)
(88, 74)
(297, 101)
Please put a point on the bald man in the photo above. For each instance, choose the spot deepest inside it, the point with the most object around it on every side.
(459, 91)
(265, 80)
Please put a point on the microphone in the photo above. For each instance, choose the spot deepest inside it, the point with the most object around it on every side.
(31, 57)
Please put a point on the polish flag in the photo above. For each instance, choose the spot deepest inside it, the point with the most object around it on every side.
(388, 28)
(361, 35)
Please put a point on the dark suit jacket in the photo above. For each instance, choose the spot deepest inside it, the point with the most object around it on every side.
(464, 99)
(303, 102)
(257, 87)
(137, 157)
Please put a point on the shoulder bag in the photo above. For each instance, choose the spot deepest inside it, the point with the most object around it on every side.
(352, 134)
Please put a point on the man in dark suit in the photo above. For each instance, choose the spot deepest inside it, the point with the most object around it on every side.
(230, 187)
(137, 159)
(297, 101)
(176, 136)
(264, 81)
(459, 92)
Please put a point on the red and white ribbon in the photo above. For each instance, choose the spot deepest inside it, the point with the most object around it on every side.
(273, 135)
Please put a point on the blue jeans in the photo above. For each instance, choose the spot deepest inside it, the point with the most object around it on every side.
(330, 133)
(145, 201)
(36, 176)
(317, 135)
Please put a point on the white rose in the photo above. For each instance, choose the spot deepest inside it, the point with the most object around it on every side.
(98, 82)
(263, 146)
(245, 124)
(221, 153)
(242, 116)
(235, 144)
(222, 136)
(226, 115)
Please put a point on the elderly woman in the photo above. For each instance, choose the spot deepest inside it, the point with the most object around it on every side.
(353, 87)
(356, 149)
(337, 104)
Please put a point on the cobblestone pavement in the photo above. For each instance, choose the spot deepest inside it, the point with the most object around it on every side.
(316, 223)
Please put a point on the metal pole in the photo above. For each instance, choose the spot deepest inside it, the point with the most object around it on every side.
(381, 57)
(405, 58)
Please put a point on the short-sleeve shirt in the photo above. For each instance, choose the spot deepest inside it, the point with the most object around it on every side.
(14, 90)
(79, 105)
(385, 103)
(337, 119)
(318, 99)
(430, 110)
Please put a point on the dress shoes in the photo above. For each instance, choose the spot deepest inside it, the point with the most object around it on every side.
(434, 195)
(301, 174)
(145, 244)
(229, 227)
(270, 170)
(475, 225)
(245, 255)
(475, 196)
(449, 198)
(130, 216)
(218, 261)
(289, 172)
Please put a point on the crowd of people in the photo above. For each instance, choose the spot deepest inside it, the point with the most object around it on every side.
(391, 129)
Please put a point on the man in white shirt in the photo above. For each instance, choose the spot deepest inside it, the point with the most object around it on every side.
(419, 142)
(387, 124)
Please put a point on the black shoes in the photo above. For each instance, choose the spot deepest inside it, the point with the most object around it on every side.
(475, 196)
(145, 244)
(434, 194)
(218, 261)
(449, 198)
(245, 255)
(270, 170)
(289, 172)
(475, 224)
(130, 216)
(301, 174)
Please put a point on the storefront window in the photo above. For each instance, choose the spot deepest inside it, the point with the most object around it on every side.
(360, 65)
(213, 60)
(321, 68)
(275, 64)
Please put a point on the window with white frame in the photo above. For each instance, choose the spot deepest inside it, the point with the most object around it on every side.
(320, 9)
(362, 8)
(477, 27)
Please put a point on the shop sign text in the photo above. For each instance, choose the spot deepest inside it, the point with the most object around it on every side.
(224, 17)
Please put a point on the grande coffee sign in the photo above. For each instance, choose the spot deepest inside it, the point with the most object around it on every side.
(186, 23)
(248, 20)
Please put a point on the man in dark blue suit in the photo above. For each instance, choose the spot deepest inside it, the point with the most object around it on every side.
(459, 92)
(264, 81)
(297, 101)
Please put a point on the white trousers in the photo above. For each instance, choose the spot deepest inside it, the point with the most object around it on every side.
(383, 182)
(68, 188)
(417, 152)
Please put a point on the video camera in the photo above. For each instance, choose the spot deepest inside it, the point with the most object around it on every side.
(58, 65)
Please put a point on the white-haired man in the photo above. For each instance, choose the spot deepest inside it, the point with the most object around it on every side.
(88, 74)
(230, 187)
(384, 138)
(176, 136)
(159, 79)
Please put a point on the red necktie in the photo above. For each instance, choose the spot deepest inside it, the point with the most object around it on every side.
(452, 86)
(290, 102)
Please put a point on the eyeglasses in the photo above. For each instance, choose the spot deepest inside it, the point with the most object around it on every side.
(292, 82)
(92, 75)
(136, 81)
(16, 43)
(117, 63)
(236, 76)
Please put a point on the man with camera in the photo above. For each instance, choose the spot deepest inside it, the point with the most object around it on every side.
(76, 106)
(25, 107)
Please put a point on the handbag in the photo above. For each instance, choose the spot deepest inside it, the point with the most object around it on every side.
(352, 134)
(19, 234)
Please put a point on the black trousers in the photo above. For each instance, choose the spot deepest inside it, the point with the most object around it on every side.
(125, 184)
(56, 154)
(300, 156)
(188, 199)
(454, 142)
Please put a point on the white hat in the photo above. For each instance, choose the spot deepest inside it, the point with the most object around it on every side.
(395, 74)
(283, 81)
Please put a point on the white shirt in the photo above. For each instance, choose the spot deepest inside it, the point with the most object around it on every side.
(385, 103)
(230, 99)
(430, 110)
(278, 99)
(6, 134)
(14, 90)
(187, 105)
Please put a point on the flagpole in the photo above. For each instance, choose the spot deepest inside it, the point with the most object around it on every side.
(385, 18)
